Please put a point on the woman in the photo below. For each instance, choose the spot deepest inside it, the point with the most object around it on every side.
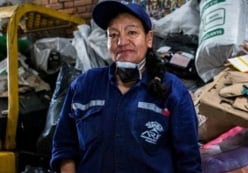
(130, 117)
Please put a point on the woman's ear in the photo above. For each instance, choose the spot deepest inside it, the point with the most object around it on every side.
(149, 39)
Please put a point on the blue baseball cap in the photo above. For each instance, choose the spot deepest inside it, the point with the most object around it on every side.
(105, 11)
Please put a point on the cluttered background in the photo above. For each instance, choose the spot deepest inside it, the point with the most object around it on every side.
(45, 44)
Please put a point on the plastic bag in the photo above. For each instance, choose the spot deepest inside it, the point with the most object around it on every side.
(223, 27)
(185, 19)
(66, 75)
(59, 49)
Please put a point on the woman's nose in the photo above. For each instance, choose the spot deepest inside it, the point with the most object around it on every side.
(122, 40)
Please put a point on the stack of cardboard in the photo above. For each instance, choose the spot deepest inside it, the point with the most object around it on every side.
(225, 103)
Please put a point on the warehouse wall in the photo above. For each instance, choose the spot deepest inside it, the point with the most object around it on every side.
(81, 8)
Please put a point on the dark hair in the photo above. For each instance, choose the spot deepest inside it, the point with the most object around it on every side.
(156, 70)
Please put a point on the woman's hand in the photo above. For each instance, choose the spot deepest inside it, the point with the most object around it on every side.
(68, 166)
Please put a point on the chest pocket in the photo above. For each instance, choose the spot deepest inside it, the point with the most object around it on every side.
(88, 123)
(150, 126)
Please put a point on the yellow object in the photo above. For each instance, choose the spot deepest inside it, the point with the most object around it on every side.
(240, 63)
(7, 162)
(36, 20)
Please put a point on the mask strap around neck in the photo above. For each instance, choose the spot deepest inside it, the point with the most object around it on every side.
(142, 64)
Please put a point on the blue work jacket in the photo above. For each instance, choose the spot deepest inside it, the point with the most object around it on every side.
(106, 131)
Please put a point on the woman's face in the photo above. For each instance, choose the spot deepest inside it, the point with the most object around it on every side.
(127, 40)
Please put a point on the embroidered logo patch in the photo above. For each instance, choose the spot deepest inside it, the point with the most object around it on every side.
(153, 132)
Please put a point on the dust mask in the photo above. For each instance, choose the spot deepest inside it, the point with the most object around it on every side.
(129, 72)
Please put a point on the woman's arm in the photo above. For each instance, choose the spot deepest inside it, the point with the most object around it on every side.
(65, 142)
(185, 136)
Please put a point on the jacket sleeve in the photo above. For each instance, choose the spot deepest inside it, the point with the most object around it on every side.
(184, 131)
(65, 142)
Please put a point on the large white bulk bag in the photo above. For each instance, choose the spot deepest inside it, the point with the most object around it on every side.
(223, 27)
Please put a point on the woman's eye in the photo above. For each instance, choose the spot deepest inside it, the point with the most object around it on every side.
(132, 33)
(113, 35)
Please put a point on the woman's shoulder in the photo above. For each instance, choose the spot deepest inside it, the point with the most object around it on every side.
(175, 84)
(178, 92)
(91, 75)
(172, 79)
(96, 72)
